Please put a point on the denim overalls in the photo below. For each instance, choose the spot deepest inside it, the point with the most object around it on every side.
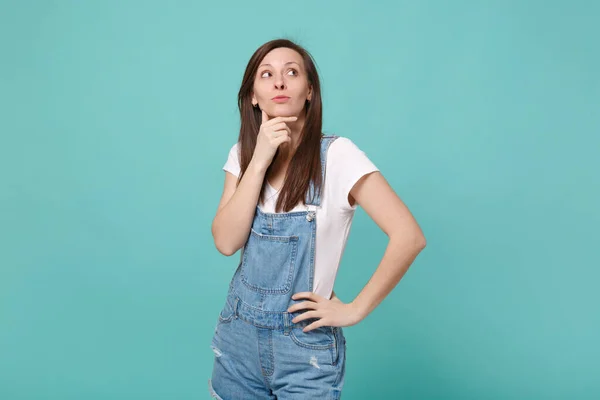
(259, 352)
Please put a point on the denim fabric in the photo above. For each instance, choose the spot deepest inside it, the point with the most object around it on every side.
(259, 353)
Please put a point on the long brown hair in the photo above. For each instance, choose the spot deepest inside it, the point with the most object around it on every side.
(305, 165)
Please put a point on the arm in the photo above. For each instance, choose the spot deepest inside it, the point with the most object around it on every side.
(231, 225)
(406, 240)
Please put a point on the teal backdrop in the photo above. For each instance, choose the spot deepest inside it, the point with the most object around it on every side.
(117, 117)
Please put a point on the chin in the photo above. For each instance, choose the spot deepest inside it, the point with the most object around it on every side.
(278, 112)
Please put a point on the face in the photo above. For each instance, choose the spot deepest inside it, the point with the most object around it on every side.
(281, 86)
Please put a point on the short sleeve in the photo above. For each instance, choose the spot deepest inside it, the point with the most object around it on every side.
(346, 164)
(233, 161)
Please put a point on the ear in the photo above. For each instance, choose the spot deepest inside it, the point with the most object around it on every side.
(254, 101)
(309, 95)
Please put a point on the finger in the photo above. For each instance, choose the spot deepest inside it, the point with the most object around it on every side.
(282, 119)
(278, 134)
(306, 315)
(280, 140)
(304, 305)
(314, 325)
(265, 117)
(301, 295)
(279, 126)
(306, 295)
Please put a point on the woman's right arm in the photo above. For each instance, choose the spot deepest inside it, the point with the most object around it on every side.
(231, 225)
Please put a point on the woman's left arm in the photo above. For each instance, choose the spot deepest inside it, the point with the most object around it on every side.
(406, 240)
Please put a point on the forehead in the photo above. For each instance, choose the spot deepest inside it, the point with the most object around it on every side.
(281, 56)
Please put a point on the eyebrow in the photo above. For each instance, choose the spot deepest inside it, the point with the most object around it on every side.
(291, 62)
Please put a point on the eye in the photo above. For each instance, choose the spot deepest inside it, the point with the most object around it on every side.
(296, 72)
(262, 75)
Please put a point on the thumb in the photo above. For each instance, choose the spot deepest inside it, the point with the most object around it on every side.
(265, 117)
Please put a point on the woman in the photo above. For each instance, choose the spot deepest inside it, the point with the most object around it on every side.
(289, 197)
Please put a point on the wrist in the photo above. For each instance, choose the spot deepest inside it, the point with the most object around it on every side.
(256, 168)
(359, 310)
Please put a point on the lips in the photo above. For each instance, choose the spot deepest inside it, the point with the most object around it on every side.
(280, 99)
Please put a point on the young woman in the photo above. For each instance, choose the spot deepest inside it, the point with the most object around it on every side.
(289, 198)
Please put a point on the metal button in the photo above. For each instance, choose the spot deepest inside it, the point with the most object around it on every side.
(310, 216)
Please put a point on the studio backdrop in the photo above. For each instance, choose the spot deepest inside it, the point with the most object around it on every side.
(117, 117)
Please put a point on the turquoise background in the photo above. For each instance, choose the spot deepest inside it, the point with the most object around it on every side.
(117, 116)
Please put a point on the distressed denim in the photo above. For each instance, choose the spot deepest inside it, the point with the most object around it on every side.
(259, 353)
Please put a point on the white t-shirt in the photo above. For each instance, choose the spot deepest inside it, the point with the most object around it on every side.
(346, 164)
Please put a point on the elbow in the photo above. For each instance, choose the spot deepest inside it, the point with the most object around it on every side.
(226, 251)
(223, 246)
(416, 240)
(419, 240)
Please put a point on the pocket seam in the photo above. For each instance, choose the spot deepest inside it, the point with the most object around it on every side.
(311, 346)
(287, 287)
(225, 320)
(284, 239)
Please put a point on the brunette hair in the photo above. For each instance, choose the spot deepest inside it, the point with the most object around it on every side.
(305, 165)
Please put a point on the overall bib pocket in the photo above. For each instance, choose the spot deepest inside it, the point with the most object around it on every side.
(268, 262)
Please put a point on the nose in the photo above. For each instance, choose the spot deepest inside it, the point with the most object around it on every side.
(279, 82)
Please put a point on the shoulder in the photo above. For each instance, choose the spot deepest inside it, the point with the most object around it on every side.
(234, 151)
(343, 147)
(347, 158)
(233, 160)
(234, 148)
(346, 164)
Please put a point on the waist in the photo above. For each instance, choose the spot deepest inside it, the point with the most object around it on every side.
(272, 319)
